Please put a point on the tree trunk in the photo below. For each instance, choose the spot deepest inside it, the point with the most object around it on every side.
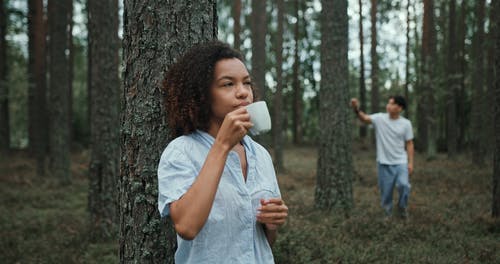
(297, 88)
(4, 89)
(374, 59)
(259, 56)
(428, 79)
(489, 138)
(419, 142)
(453, 84)
(259, 31)
(105, 125)
(37, 84)
(71, 56)
(461, 99)
(237, 24)
(59, 12)
(362, 85)
(176, 25)
(478, 95)
(278, 96)
(334, 176)
(495, 208)
(407, 53)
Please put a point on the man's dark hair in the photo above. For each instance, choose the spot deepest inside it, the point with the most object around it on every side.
(186, 87)
(399, 100)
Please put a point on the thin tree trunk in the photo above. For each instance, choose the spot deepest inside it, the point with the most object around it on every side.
(259, 56)
(278, 96)
(407, 53)
(237, 24)
(417, 51)
(4, 89)
(441, 77)
(71, 56)
(489, 139)
(334, 176)
(462, 64)
(144, 236)
(428, 78)
(495, 208)
(362, 85)
(104, 86)
(478, 95)
(37, 84)
(374, 59)
(453, 86)
(297, 88)
(59, 90)
(259, 31)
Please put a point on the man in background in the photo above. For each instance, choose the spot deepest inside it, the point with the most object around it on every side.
(394, 137)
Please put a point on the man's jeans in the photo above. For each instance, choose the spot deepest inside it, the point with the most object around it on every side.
(388, 177)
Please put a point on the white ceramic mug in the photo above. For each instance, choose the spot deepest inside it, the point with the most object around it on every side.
(259, 116)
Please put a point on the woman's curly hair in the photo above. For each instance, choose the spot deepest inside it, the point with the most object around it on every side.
(186, 87)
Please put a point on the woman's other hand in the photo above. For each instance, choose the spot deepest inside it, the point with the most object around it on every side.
(272, 213)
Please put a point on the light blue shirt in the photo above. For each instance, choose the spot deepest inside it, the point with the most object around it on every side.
(391, 136)
(231, 233)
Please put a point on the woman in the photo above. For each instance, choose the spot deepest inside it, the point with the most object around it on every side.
(209, 175)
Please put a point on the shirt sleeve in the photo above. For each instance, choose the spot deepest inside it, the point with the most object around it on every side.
(271, 172)
(375, 118)
(409, 132)
(176, 174)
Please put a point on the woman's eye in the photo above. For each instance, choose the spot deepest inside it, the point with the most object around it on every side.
(248, 83)
(228, 84)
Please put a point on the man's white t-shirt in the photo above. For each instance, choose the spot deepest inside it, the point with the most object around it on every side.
(391, 135)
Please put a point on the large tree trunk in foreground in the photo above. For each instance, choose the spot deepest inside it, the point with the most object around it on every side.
(155, 33)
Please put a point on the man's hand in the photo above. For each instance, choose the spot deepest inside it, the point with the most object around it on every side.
(354, 103)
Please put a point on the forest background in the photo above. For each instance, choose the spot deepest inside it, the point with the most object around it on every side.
(62, 201)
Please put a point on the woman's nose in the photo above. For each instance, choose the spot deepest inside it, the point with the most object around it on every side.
(241, 91)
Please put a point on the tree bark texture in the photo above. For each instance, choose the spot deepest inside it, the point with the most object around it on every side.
(334, 176)
(104, 123)
(59, 15)
(155, 34)
(4, 89)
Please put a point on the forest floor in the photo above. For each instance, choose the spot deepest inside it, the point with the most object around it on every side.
(449, 222)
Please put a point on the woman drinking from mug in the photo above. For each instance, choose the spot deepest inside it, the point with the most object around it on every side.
(210, 174)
